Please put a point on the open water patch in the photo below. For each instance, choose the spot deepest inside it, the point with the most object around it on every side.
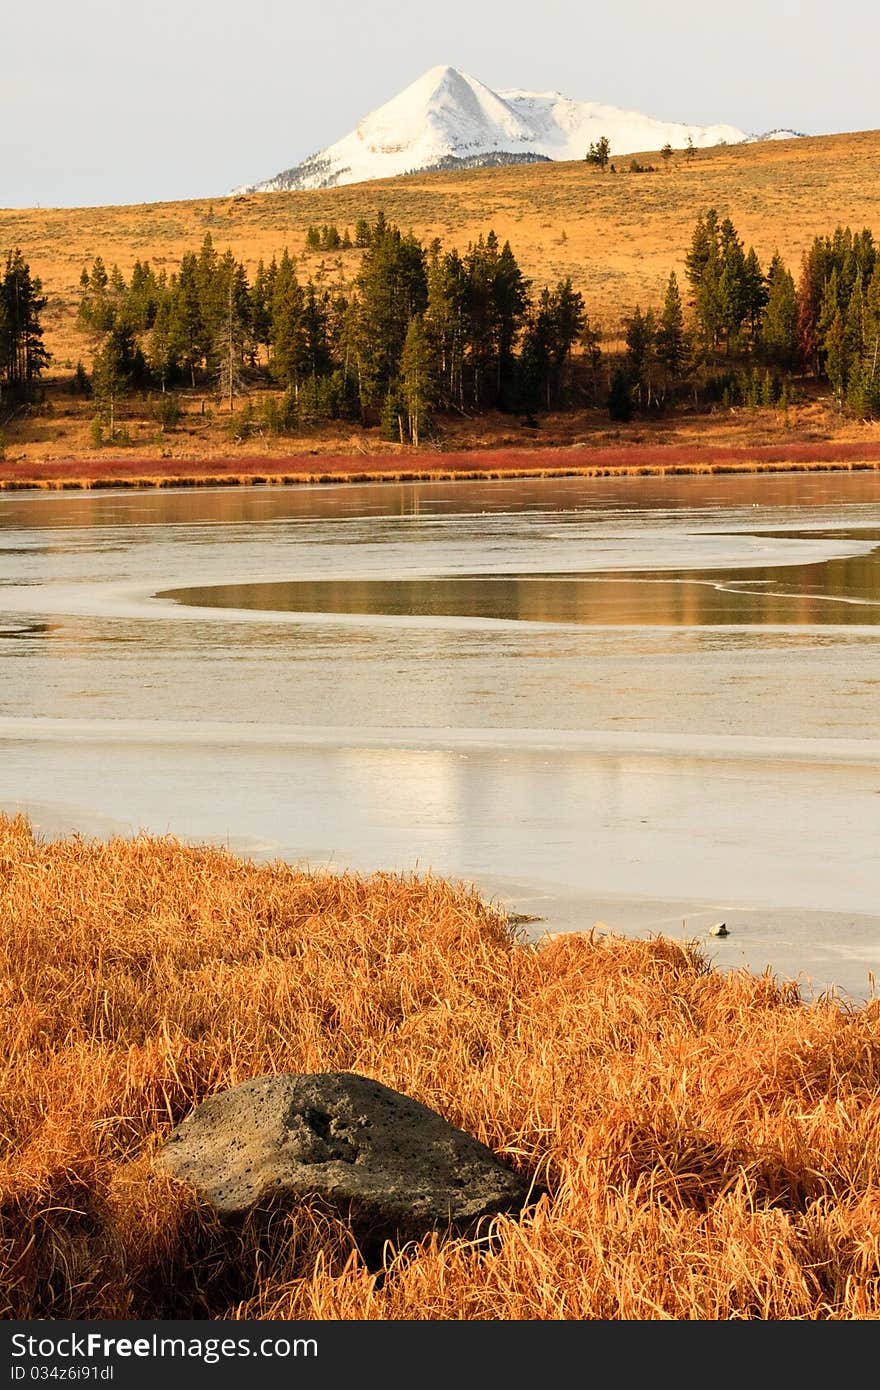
(835, 591)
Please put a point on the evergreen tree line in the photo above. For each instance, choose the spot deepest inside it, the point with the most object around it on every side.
(22, 354)
(750, 330)
(838, 317)
(329, 238)
(422, 329)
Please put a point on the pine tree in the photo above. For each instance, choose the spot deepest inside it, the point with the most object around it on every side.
(96, 311)
(809, 296)
(140, 302)
(6, 349)
(261, 304)
(116, 365)
(444, 322)
(555, 324)
(212, 280)
(779, 323)
(837, 360)
(206, 267)
(672, 341)
(510, 299)
(186, 326)
(704, 267)
(732, 290)
(535, 360)
(704, 248)
(23, 356)
(231, 337)
(600, 152)
(766, 389)
(287, 333)
(754, 295)
(335, 311)
(869, 371)
(315, 333)
(393, 410)
(163, 352)
(833, 303)
(568, 320)
(641, 343)
(854, 322)
(417, 377)
(391, 287)
(480, 340)
(496, 298)
(863, 390)
(619, 398)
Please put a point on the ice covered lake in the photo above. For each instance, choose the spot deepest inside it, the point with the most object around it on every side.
(653, 703)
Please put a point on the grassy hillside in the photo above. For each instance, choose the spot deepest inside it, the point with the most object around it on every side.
(709, 1144)
(617, 235)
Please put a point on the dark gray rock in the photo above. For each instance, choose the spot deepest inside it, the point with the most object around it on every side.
(383, 1161)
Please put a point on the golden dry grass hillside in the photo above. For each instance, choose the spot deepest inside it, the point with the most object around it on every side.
(709, 1144)
(617, 235)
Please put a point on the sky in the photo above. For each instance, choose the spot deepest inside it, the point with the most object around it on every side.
(106, 101)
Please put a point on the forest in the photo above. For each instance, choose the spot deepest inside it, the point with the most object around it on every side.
(422, 331)
(23, 357)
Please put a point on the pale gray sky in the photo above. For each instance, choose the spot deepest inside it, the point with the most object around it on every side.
(102, 101)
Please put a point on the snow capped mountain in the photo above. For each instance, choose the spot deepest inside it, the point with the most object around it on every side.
(775, 135)
(565, 128)
(447, 118)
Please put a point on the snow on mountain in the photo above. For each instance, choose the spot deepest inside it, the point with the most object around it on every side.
(446, 118)
(565, 128)
(775, 135)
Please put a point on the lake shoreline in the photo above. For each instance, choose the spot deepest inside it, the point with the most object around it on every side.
(617, 461)
(817, 927)
(667, 756)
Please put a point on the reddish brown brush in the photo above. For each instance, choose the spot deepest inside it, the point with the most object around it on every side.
(587, 461)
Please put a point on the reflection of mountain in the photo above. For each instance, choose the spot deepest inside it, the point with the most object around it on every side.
(833, 592)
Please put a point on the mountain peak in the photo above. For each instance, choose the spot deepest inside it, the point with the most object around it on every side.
(442, 74)
(435, 81)
(446, 118)
(444, 112)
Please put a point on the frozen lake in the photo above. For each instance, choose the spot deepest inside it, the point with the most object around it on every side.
(654, 703)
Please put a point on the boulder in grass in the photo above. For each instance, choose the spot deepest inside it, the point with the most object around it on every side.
(383, 1161)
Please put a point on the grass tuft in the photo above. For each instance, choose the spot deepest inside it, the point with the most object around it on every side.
(709, 1143)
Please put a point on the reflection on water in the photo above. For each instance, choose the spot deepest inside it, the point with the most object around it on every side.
(835, 591)
(715, 612)
(206, 507)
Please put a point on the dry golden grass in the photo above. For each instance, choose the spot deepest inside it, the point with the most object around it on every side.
(710, 1145)
(618, 236)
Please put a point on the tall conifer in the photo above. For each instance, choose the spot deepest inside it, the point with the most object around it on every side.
(672, 342)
